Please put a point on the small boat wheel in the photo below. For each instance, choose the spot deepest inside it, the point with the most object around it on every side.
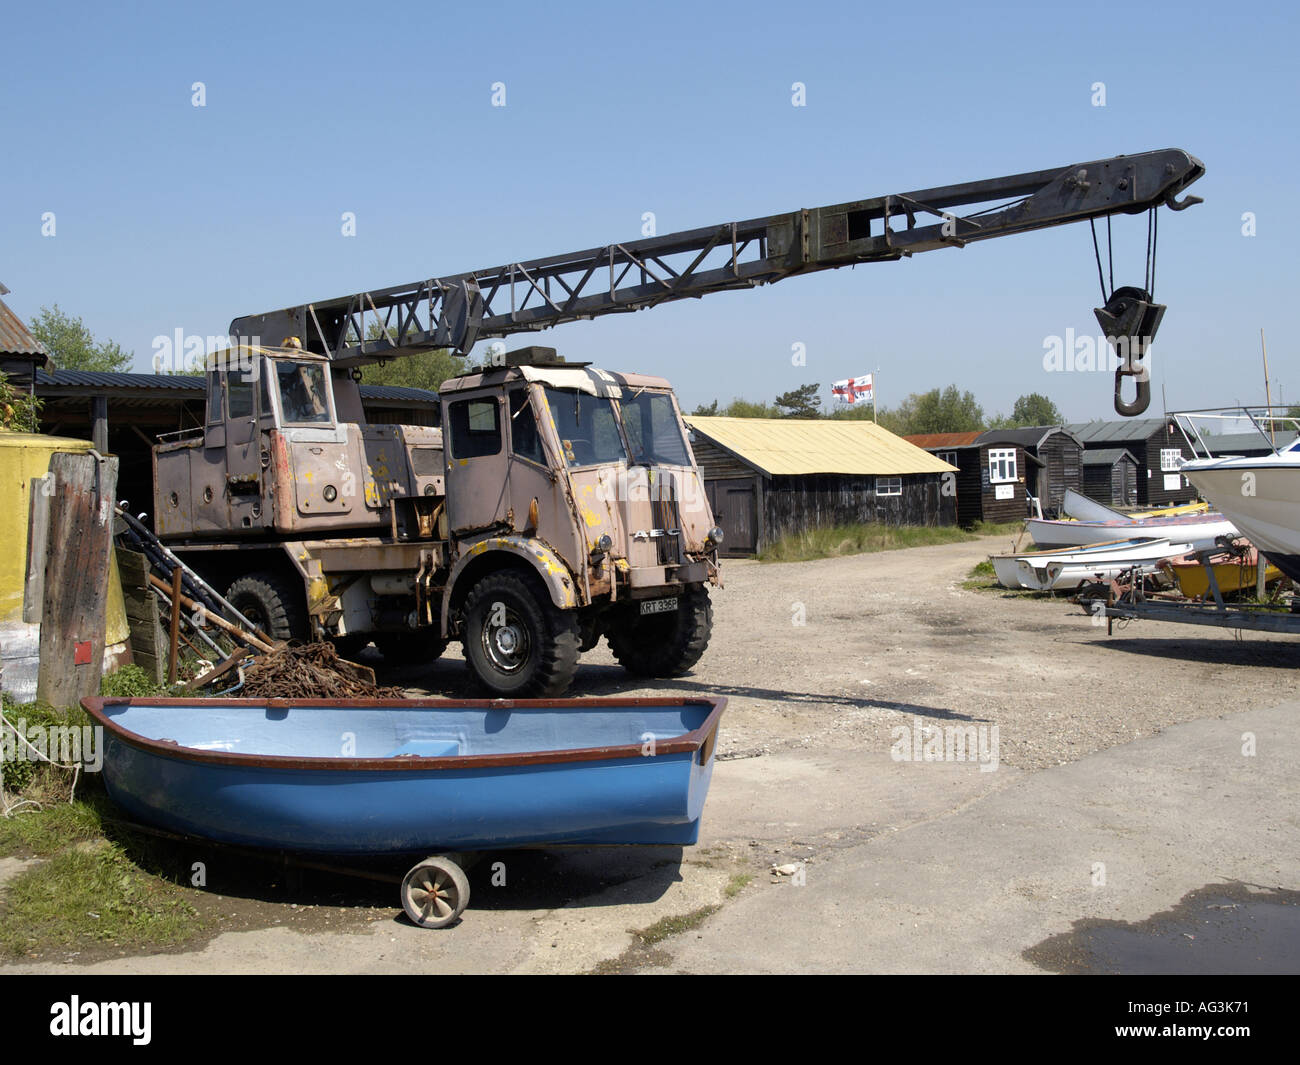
(435, 892)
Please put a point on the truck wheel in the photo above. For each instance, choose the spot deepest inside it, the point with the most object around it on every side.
(420, 648)
(271, 603)
(517, 642)
(351, 645)
(664, 645)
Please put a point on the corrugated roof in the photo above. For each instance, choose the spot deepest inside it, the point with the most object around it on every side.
(399, 393)
(15, 339)
(1107, 456)
(103, 379)
(783, 446)
(1027, 437)
(1126, 429)
(938, 440)
(109, 381)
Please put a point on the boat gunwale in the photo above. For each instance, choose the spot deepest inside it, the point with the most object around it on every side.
(1110, 545)
(697, 739)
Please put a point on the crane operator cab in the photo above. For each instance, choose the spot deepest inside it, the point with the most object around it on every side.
(285, 448)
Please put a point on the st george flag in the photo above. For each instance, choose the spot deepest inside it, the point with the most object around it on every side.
(854, 390)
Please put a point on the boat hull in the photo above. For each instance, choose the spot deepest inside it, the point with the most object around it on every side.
(1194, 581)
(1194, 529)
(651, 792)
(1034, 569)
(1261, 497)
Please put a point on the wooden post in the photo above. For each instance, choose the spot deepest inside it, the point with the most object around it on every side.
(99, 423)
(174, 645)
(1260, 563)
(78, 555)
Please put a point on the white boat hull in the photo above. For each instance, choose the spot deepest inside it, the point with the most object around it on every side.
(1201, 534)
(1065, 568)
(1261, 496)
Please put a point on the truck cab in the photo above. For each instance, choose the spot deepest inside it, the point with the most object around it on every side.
(587, 478)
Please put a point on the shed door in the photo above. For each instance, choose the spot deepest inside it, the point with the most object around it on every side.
(735, 509)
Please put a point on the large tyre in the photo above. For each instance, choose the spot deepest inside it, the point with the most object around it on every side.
(271, 603)
(351, 645)
(420, 648)
(664, 645)
(517, 642)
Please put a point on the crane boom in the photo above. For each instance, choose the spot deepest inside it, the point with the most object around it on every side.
(455, 311)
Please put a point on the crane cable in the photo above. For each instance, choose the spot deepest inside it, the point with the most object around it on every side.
(1153, 235)
(1096, 250)
(1149, 276)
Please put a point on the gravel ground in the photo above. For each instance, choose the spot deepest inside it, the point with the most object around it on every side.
(821, 663)
(839, 652)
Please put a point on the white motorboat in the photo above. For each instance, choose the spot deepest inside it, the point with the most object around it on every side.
(1260, 493)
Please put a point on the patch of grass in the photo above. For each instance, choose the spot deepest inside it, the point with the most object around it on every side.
(858, 539)
(666, 927)
(20, 773)
(837, 540)
(43, 832)
(737, 884)
(997, 528)
(92, 894)
(981, 576)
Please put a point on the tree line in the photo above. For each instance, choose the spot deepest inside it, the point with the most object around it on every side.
(941, 410)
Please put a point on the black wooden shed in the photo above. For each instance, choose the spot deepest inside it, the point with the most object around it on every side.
(1110, 476)
(771, 477)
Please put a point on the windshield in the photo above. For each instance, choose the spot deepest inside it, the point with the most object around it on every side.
(587, 428)
(653, 431)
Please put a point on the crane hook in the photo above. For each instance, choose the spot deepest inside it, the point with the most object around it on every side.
(1130, 320)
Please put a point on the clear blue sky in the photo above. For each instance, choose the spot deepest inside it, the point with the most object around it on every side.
(173, 217)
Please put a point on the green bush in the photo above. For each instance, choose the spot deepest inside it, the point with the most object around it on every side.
(130, 681)
(19, 772)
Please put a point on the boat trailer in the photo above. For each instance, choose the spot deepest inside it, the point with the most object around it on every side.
(1125, 599)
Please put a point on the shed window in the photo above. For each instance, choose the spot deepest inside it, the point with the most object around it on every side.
(1170, 459)
(889, 486)
(1002, 465)
(950, 457)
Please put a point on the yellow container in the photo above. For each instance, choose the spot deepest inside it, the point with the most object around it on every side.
(22, 457)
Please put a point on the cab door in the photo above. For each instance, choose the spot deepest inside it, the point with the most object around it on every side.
(537, 491)
(243, 447)
(474, 437)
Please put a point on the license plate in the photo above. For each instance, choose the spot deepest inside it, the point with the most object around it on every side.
(659, 606)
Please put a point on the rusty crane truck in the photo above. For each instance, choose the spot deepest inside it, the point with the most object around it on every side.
(556, 503)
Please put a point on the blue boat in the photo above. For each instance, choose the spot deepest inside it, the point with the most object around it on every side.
(375, 777)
